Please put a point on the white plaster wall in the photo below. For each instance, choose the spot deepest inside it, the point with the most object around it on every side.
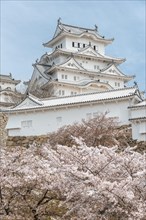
(135, 131)
(84, 40)
(139, 130)
(139, 126)
(89, 64)
(67, 90)
(139, 112)
(58, 44)
(70, 76)
(45, 121)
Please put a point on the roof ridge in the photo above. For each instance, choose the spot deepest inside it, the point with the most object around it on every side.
(112, 90)
(78, 27)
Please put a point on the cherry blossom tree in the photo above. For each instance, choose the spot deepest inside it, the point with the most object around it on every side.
(100, 130)
(79, 182)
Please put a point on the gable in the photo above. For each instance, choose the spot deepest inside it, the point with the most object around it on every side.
(28, 102)
(113, 70)
(72, 64)
(89, 51)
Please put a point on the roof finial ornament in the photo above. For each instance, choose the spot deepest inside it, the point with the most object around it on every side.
(10, 75)
(96, 27)
(135, 84)
(36, 60)
(59, 20)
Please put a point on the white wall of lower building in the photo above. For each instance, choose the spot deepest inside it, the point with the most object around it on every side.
(138, 123)
(48, 120)
(139, 130)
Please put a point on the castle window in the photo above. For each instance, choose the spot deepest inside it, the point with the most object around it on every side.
(78, 45)
(63, 92)
(73, 44)
(94, 47)
(71, 93)
(118, 84)
(83, 45)
(64, 76)
(61, 45)
(75, 78)
(96, 67)
(26, 124)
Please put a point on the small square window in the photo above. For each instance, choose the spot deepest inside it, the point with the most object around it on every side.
(26, 124)
(63, 92)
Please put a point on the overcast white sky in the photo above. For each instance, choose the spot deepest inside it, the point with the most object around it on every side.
(25, 25)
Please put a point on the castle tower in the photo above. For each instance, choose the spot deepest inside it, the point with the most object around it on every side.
(77, 64)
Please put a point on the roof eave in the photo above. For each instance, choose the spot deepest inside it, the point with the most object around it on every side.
(38, 108)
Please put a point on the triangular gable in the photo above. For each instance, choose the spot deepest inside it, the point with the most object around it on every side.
(89, 51)
(113, 70)
(72, 64)
(29, 102)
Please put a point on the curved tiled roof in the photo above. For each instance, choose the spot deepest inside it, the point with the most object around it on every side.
(137, 119)
(85, 83)
(71, 30)
(83, 70)
(9, 79)
(110, 95)
(78, 53)
(78, 30)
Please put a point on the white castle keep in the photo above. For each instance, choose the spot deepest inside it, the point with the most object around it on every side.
(77, 80)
